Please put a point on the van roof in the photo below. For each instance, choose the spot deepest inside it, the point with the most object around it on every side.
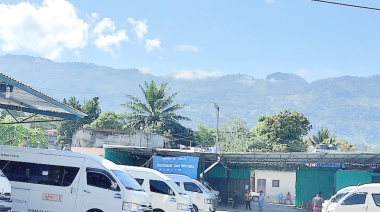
(367, 187)
(106, 163)
(144, 169)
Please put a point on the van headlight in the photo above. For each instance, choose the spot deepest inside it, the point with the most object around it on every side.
(208, 201)
(129, 206)
(183, 207)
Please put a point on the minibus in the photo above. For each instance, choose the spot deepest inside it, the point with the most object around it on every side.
(336, 197)
(62, 181)
(364, 198)
(5, 193)
(202, 198)
(165, 194)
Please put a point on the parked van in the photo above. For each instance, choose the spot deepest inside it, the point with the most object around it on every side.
(213, 190)
(165, 194)
(335, 198)
(202, 198)
(61, 181)
(364, 198)
(5, 193)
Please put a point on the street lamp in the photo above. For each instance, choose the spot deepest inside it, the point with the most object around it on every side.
(217, 126)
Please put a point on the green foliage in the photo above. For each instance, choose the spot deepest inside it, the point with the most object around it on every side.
(205, 136)
(66, 129)
(344, 146)
(19, 135)
(107, 120)
(284, 131)
(155, 114)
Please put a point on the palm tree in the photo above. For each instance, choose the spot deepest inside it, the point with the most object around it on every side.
(321, 137)
(155, 115)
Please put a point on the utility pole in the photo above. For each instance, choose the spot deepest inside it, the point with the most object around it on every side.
(217, 126)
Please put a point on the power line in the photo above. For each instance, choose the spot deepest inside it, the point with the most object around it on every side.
(348, 5)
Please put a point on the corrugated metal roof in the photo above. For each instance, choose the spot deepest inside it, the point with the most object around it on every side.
(27, 99)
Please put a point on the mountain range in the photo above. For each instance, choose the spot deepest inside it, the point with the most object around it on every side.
(348, 106)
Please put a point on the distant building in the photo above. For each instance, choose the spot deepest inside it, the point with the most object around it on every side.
(96, 138)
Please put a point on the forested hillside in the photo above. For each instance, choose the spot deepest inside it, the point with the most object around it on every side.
(348, 106)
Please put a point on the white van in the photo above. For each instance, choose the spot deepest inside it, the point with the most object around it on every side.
(61, 181)
(165, 194)
(336, 197)
(202, 198)
(364, 198)
(5, 193)
(213, 190)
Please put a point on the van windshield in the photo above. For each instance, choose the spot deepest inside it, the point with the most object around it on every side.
(175, 187)
(127, 181)
(338, 197)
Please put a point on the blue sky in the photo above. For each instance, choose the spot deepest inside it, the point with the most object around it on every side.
(198, 39)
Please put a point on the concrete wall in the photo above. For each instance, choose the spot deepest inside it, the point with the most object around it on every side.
(91, 138)
(287, 183)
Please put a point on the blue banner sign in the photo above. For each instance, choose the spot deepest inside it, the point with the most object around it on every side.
(186, 165)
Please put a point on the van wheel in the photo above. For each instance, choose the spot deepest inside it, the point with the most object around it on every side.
(195, 208)
(158, 210)
(94, 210)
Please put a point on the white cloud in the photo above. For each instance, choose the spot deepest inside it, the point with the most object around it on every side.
(107, 36)
(139, 27)
(194, 75)
(152, 44)
(247, 80)
(144, 70)
(186, 48)
(46, 30)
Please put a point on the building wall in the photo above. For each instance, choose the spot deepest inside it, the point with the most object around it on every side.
(92, 138)
(287, 183)
(349, 178)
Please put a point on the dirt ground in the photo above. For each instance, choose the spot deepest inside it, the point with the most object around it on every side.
(266, 207)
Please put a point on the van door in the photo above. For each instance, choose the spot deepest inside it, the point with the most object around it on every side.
(195, 193)
(162, 195)
(55, 184)
(101, 191)
(375, 205)
(354, 203)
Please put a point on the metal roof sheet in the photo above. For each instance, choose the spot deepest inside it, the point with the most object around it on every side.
(26, 99)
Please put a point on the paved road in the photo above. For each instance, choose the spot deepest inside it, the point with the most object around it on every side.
(267, 207)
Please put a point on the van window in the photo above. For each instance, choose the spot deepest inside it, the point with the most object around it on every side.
(39, 173)
(192, 187)
(99, 180)
(127, 180)
(177, 183)
(376, 199)
(55, 175)
(139, 180)
(159, 187)
(355, 199)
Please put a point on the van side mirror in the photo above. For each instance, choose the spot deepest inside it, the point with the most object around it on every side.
(171, 192)
(114, 186)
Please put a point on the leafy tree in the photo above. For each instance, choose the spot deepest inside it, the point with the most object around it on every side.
(66, 129)
(107, 120)
(284, 131)
(156, 114)
(321, 137)
(19, 135)
(344, 146)
(205, 136)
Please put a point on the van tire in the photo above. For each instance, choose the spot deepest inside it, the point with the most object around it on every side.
(158, 210)
(94, 210)
(195, 208)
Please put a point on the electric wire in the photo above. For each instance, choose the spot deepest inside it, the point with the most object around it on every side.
(348, 5)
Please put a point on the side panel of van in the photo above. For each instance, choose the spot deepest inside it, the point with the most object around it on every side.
(97, 192)
(18, 174)
(55, 185)
(157, 189)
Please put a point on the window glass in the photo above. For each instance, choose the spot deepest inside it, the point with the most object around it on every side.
(275, 183)
(98, 179)
(338, 197)
(140, 181)
(39, 173)
(159, 187)
(192, 187)
(177, 183)
(18, 171)
(127, 180)
(355, 199)
(376, 199)
(54, 175)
